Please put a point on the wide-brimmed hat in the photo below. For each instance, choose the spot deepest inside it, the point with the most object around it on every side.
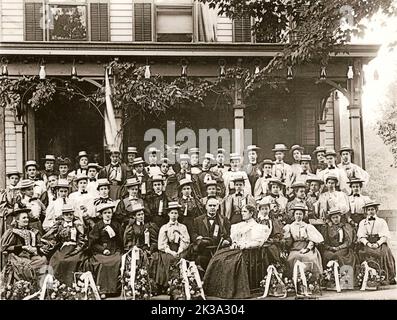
(138, 160)
(331, 176)
(268, 161)
(13, 172)
(345, 148)
(264, 202)
(94, 165)
(81, 176)
(25, 183)
(184, 157)
(137, 207)
(62, 183)
(211, 183)
(276, 181)
(49, 157)
(30, 163)
(164, 160)
(209, 156)
(82, 154)
(280, 147)
(334, 211)
(103, 206)
(153, 150)
(194, 150)
(299, 206)
(132, 150)
(64, 161)
(355, 180)
(114, 150)
(298, 185)
(173, 205)
(67, 208)
(157, 178)
(296, 147)
(238, 177)
(15, 212)
(185, 181)
(371, 203)
(330, 152)
(253, 147)
(221, 151)
(305, 157)
(320, 149)
(102, 182)
(235, 156)
(314, 178)
(132, 182)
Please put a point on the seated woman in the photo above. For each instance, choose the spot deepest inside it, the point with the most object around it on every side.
(105, 244)
(272, 246)
(140, 233)
(301, 239)
(227, 275)
(123, 213)
(173, 243)
(22, 244)
(373, 233)
(338, 240)
(66, 238)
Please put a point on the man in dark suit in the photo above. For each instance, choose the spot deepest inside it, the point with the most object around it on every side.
(116, 173)
(141, 174)
(210, 231)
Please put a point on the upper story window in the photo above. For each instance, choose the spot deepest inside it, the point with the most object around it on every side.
(174, 23)
(67, 22)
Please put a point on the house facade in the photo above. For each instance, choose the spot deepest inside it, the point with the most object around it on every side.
(88, 34)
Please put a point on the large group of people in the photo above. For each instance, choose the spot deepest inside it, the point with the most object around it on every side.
(84, 218)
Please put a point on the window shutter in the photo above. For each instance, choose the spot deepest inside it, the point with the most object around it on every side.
(99, 22)
(143, 21)
(33, 16)
(308, 127)
(242, 29)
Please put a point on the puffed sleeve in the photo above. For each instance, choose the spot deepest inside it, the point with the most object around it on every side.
(258, 235)
(185, 239)
(94, 240)
(163, 239)
(287, 231)
(362, 232)
(234, 234)
(9, 243)
(383, 228)
(313, 234)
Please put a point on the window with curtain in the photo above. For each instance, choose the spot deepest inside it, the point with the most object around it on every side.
(174, 23)
(67, 22)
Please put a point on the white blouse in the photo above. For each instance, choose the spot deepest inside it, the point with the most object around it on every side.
(249, 234)
(302, 231)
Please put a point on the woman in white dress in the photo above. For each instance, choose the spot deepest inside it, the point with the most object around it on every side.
(302, 238)
(227, 273)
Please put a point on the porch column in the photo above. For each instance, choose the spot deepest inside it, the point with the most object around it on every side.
(355, 114)
(238, 120)
(2, 148)
(19, 133)
(321, 132)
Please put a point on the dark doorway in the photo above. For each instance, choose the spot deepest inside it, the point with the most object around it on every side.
(65, 127)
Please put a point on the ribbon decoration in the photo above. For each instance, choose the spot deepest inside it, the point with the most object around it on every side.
(89, 282)
(134, 257)
(49, 279)
(368, 271)
(335, 265)
(183, 268)
(299, 267)
(271, 270)
(193, 269)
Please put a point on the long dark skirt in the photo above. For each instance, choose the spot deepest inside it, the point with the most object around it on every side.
(381, 255)
(22, 268)
(106, 271)
(64, 267)
(227, 275)
(343, 257)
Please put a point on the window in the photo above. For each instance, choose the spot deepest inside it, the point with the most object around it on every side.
(174, 24)
(67, 22)
(242, 29)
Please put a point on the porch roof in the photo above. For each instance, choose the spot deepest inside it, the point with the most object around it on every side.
(165, 49)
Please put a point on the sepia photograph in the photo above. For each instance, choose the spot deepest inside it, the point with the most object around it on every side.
(221, 151)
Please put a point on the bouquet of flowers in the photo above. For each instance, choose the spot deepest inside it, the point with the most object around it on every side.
(370, 278)
(18, 291)
(305, 283)
(331, 276)
(273, 283)
(185, 282)
(135, 280)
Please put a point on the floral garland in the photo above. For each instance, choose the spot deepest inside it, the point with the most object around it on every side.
(19, 290)
(375, 277)
(176, 283)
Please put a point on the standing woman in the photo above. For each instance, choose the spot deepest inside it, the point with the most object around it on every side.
(172, 244)
(81, 169)
(67, 239)
(22, 245)
(106, 246)
(302, 238)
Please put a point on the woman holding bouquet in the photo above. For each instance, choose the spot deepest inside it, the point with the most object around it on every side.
(22, 245)
(106, 246)
(66, 238)
(301, 239)
(173, 243)
(338, 240)
(227, 273)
